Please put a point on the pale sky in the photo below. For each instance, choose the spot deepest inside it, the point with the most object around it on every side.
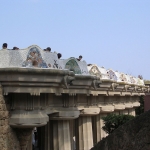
(110, 33)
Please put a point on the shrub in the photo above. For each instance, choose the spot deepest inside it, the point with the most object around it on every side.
(112, 122)
(140, 110)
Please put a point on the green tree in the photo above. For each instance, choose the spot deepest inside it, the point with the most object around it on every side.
(140, 110)
(112, 122)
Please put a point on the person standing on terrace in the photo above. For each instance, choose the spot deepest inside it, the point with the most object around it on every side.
(48, 49)
(59, 55)
(15, 48)
(79, 59)
(4, 46)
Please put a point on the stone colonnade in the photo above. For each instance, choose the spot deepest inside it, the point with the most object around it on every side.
(87, 131)
(83, 132)
(67, 109)
(75, 123)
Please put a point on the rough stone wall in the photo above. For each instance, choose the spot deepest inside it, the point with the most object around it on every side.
(134, 135)
(8, 138)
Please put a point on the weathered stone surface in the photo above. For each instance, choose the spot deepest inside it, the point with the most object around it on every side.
(134, 135)
(23, 136)
(8, 138)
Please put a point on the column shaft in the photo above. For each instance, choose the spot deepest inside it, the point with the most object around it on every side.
(61, 135)
(29, 147)
(103, 133)
(85, 134)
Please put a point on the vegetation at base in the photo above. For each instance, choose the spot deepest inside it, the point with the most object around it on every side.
(112, 122)
(139, 110)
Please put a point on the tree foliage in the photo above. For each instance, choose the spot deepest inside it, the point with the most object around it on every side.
(112, 122)
(140, 110)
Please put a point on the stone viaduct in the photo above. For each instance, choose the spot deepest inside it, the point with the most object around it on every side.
(64, 99)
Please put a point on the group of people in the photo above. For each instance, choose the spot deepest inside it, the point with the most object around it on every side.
(48, 49)
(4, 46)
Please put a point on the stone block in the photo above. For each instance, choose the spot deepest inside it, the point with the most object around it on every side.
(5, 129)
(6, 121)
(2, 101)
(1, 128)
(4, 136)
(1, 108)
(1, 139)
(6, 114)
(1, 114)
(2, 122)
(1, 147)
(1, 97)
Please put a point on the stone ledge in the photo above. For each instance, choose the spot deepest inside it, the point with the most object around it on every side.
(106, 109)
(136, 104)
(119, 107)
(35, 70)
(128, 106)
(89, 111)
(64, 115)
(21, 118)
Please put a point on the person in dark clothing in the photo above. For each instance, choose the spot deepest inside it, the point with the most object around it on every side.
(59, 55)
(4, 46)
(79, 59)
(15, 48)
(48, 49)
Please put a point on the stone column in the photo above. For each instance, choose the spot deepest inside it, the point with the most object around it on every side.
(61, 135)
(99, 124)
(8, 137)
(56, 135)
(72, 134)
(84, 134)
(29, 147)
(24, 137)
